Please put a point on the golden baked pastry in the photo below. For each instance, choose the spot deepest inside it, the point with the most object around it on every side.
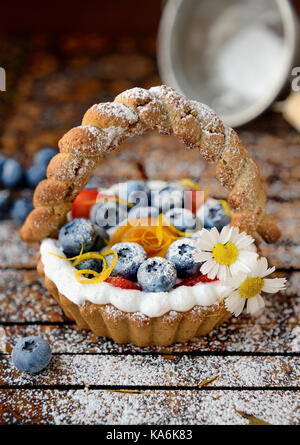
(104, 127)
(106, 320)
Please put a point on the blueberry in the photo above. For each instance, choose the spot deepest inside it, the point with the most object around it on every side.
(157, 275)
(31, 354)
(143, 212)
(44, 156)
(101, 237)
(108, 214)
(130, 257)
(20, 209)
(168, 197)
(74, 235)
(212, 214)
(135, 192)
(91, 264)
(35, 174)
(5, 203)
(180, 253)
(182, 219)
(12, 173)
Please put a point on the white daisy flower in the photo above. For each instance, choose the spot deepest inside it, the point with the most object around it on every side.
(248, 287)
(225, 254)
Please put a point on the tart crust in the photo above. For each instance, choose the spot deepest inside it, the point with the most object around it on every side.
(104, 127)
(105, 320)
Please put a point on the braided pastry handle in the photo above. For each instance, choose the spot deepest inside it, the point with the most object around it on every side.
(105, 126)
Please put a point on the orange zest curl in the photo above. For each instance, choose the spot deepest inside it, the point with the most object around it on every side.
(81, 275)
(225, 207)
(68, 259)
(154, 234)
(220, 310)
(186, 182)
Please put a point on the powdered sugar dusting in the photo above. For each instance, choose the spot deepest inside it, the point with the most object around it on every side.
(161, 370)
(118, 111)
(296, 339)
(153, 407)
(13, 252)
(208, 118)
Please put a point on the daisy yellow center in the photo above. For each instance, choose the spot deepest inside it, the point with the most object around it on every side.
(225, 254)
(251, 287)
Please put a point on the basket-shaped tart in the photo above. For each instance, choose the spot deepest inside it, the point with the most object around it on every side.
(125, 280)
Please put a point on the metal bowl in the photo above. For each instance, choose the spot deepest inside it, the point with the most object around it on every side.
(234, 55)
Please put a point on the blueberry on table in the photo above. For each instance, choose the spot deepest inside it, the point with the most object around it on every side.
(91, 264)
(77, 234)
(168, 197)
(135, 192)
(180, 253)
(5, 203)
(212, 214)
(157, 275)
(143, 212)
(182, 219)
(44, 156)
(12, 174)
(35, 174)
(108, 214)
(130, 257)
(31, 354)
(21, 209)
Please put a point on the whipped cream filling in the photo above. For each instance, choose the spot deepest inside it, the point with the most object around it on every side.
(152, 304)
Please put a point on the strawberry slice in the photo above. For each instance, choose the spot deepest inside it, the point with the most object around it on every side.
(195, 200)
(83, 203)
(85, 200)
(194, 280)
(122, 283)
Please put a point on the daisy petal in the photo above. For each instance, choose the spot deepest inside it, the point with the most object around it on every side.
(236, 268)
(204, 243)
(202, 256)
(249, 261)
(225, 234)
(267, 272)
(235, 304)
(262, 266)
(214, 236)
(223, 273)
(244, 241)
(273, 285)
(236, 235)
(255, 304)
(207, 266)
(214, 272)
